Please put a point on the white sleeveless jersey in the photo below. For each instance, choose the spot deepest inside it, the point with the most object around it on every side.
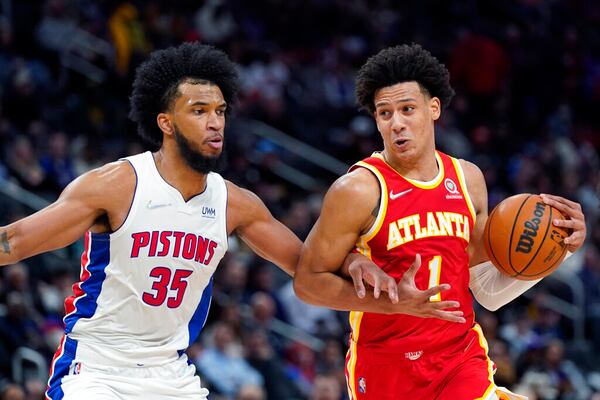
(145, 289)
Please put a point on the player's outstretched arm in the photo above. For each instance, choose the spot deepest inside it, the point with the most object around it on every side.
(61, 223)
(348, 209)
(248, 216)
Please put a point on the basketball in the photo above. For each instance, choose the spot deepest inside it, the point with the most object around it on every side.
(521, 240)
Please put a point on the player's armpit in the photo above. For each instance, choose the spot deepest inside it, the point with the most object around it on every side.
(68, 218)
(478, 193)
(249, 217)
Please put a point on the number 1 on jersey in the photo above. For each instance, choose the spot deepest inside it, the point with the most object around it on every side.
(435, 270)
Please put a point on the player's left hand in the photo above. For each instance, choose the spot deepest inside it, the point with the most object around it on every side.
(575, 220)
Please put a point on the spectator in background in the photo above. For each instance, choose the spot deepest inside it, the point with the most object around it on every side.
(319, 321)
(547, 325)
(301, 366)
(519, 334)
(506, 374)
(23, 164)
(12, 392)
(561, 376)
(225, 371)
(590, 278)
(57, 163)
(18, 328)
(128, 37)
(263, 358)
(250, 392)
(262, 279)
(262, 316)
(214, 21)
(232, 278)
(326, 388)
(23, 102)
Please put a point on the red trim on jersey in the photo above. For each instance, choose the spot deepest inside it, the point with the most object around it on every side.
(57, 355)
(85, 274)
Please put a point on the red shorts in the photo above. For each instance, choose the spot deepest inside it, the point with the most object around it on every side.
(458, 372)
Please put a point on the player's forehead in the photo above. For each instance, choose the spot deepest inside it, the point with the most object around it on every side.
(399, 92)
(194, 92)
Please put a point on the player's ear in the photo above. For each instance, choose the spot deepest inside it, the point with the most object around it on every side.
(164, 123)
(436, 108)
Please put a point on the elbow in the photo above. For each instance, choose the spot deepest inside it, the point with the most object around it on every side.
(489, 304)
(492, 307)
(301, 287)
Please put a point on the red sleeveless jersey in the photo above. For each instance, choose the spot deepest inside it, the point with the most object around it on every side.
(433, 219)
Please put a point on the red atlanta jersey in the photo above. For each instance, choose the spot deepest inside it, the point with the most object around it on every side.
(433, 219)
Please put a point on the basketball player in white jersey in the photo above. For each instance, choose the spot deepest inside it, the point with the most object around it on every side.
(155, 226)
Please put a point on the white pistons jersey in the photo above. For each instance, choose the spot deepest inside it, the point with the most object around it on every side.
(145, 289)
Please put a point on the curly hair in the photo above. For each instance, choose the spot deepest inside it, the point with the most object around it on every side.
(402, 64)
(157, 81)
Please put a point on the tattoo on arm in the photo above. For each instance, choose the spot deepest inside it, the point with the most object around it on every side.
(5, 244)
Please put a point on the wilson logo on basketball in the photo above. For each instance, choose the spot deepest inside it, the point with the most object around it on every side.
(530, 231)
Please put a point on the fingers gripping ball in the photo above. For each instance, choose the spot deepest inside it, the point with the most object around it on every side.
(521, 240)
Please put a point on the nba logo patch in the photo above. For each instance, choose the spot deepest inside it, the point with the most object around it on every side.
(362, 385)
(76, 369)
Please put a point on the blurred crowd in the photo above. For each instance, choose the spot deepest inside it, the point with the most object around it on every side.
(527, 76)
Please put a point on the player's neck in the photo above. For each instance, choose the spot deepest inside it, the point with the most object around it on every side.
(177, 173)
(421, 168)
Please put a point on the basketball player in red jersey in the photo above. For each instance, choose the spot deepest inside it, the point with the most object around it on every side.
(406, 206)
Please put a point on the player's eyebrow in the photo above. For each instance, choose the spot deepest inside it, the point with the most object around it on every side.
(383, 103)
(203, 103)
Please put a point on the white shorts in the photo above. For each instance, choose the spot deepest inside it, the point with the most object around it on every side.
(73, 379)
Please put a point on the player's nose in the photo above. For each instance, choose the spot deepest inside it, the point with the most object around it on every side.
(214, 121)
(398, 122)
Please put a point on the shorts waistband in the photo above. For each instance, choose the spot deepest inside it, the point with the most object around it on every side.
(414, 348)
(93, 353)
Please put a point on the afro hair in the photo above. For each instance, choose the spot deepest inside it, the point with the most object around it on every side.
(157, 80)
(402, 64)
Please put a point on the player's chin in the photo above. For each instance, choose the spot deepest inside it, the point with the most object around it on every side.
(404, 151)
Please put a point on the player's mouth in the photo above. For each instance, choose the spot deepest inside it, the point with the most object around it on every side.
(401, 143)
(216, 142)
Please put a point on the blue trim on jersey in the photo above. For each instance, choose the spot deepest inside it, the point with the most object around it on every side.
(199, 318)
(61, 369)
(99, 257)
(181, 353)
